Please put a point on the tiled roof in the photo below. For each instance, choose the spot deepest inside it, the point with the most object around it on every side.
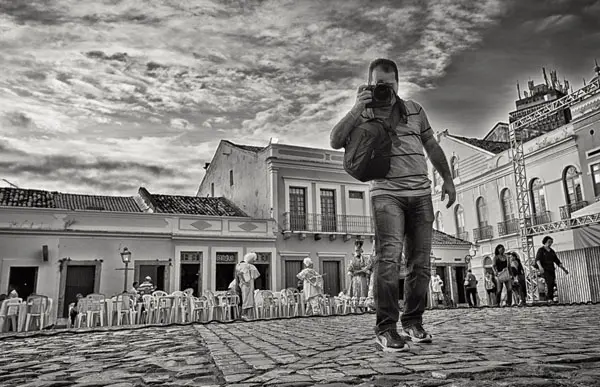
(191, 205)
(490, 146)
(246, 147)
(17, 197)
(441, 238)
(97, 203)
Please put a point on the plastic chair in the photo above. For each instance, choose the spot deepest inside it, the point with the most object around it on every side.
(294, 299)
(164, 309)
(198, 309)
(37, 308)
(125, 307)
(148, 309)
(9, 312)
(231, 307)
(215, 310)
(159, 293)
(93, 307)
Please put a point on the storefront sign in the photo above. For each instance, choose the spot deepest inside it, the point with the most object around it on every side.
(263, 258)
(227, 258)
(191, 256)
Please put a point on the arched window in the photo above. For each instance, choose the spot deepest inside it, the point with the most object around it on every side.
(538, 199)
(572, 185)
(482, 215)
(508, 207)
(439, 224)
(454, 166)
(460, 219)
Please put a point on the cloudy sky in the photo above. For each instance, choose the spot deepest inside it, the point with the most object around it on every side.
(104, 96)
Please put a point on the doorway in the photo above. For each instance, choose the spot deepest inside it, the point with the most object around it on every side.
(79, 279)
(191, 278)
(460, 284)
(441, 271)
(331, 277)
(292, 268)
(156, 272)
(224, 275)
(23, 279)
(264, 280)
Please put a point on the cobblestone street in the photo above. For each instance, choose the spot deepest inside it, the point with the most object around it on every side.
(533, 346)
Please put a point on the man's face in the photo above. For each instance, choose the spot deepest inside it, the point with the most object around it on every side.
(379, 76)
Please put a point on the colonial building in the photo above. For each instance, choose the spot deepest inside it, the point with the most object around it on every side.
(60, 244)
(562, 159)
(319, 210)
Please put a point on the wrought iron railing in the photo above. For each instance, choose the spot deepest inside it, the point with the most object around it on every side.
(566, 211)
(508, 227)
(483, 232)
(541, 218)
(325, 223)
(462, 234)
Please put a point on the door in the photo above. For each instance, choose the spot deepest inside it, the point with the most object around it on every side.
(292, 268)
(23, 279)
(225, 273)
(460, 284)
(80, 279)
(331, 277)
(191, 278)
(156, 272)
(328, 218)
(264, 280)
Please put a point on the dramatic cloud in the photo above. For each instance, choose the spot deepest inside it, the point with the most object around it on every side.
(94, 92)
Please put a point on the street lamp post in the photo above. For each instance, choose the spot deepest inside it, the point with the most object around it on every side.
(126, 258)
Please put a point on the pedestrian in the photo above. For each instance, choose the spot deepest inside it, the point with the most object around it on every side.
(133, 290)
(545, 260)
(146, 288)
(401, 202)
(312, 285)
(75, 309)
(490, 288)
(245, 274)
(500, 265)
(519, 284)
(471, 289)
(436, 290)
(359, 273)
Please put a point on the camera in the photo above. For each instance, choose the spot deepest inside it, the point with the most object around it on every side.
(382, 95)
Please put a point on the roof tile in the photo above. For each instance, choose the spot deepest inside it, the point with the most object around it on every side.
(490, 146)
(441, 238)
(194, 205)
(96, 203)
(18, 197)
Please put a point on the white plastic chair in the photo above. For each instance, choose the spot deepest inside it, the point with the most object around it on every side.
(9, 312)
(125, 306)
(37, 308)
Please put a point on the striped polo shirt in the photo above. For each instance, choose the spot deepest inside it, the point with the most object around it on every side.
(408, 166)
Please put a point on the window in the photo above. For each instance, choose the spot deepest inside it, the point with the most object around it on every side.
(439, 224)
(538, 199)
(328, 218)
(454, 166)
(356, 194)
(231, 177)
(596, 178)
(298, 208)
(460, 219)
(482, 216)
(508, 208)
(572, 185)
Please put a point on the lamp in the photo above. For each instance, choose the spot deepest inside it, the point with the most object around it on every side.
(126, 258)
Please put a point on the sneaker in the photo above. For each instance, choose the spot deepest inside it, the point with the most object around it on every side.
(391, 341)
(417, 334)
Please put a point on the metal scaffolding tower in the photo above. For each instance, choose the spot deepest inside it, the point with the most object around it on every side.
(526, 229)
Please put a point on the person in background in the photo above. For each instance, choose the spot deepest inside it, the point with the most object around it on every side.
(75, 309)
(545, 259)
(500, 265)
(471, 289)
(245, 274)
(146, 288)
(12, 292)
(436, 290)
(133, 290)
(490, 288)
(313, 284)
(518, 273)
(359, 272)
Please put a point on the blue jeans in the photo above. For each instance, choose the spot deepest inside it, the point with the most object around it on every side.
(399, 220)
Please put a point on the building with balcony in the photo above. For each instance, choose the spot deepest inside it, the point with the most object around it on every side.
(562, 169)
(59, 244)
(319, 210)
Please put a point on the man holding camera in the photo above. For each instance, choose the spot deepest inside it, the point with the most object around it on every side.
(401, 202)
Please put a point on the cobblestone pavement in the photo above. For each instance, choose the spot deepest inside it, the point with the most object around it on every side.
(532, 346)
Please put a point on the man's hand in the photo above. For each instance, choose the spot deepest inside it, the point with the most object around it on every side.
(541, 270)
(363, 97)
(448, 188)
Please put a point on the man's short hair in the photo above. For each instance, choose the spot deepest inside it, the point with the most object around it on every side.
(387, 65)
(546, 239)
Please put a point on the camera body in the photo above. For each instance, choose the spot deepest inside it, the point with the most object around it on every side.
(382, 95)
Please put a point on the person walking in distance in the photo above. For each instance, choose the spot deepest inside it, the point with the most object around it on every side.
(471, 289)
(402, 206)
(518, 273)
(490, 288)
(501, 267)
(436, 290)
(545, 259)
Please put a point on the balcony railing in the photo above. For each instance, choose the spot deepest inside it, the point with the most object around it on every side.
(325, 223)
(541, 218)
(566, 211)
(508, 227)
(464, 235)
(482, 233)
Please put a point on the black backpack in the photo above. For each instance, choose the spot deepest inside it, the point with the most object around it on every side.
(368, 148)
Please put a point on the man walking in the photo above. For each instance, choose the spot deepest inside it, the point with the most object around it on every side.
(545, 259)
(402, 206)
(471, 289)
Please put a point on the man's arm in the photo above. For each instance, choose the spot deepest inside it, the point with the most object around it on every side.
(538, 260)
(341, 131)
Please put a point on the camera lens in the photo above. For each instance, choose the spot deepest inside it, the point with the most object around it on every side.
(381, 93)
